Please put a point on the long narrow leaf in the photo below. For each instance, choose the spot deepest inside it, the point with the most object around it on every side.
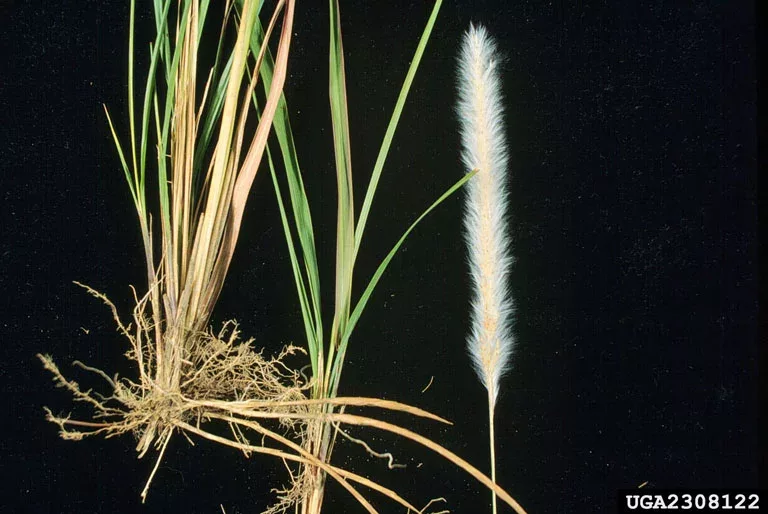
(161, 26)
(345, 228)
(131, 115)
(126, 169)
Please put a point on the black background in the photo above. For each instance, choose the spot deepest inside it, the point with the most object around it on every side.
(632, 129)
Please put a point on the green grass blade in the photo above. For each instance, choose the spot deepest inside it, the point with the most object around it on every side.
(345, 229)
(358, 310)
(387, 142)
(126, 169)
(203, 12)
(140, 193)
(131, 120)
(161, 27)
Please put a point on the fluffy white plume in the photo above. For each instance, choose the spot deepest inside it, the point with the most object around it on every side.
(484, 149)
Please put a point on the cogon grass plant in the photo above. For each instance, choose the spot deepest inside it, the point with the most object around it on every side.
(207, 155)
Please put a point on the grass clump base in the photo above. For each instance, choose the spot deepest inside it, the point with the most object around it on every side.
(222, 378)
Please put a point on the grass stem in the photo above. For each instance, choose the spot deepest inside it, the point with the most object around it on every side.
(492, 441)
